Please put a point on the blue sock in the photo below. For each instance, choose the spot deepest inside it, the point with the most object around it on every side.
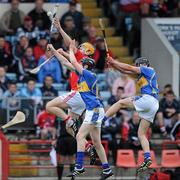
(105, 166)
(79, 160)
(105, 118)
(147, 155)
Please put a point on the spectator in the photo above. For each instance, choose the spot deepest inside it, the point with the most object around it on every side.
(56, 39)
(110, 129)
(175, 132)
(31, 92)
(39, 16)
(27, 63)
(28, 30)
(127, 83)
(3, 80)
(40, 48)
(159, 9)
(48, 90)
(115, 98)
(77, 16)
(100, 54)
(86, 26)
(51, 68)
(20, 48)
(70, 28)
(92, 35)
(10, 100)
(133, 132)
(12, 19)
(46, 122)
(167, 115)
(130, 132)
(5, 54)
(177, 10)
(167, 87)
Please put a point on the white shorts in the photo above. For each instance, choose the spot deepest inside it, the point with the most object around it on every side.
(74, 101)
(94, 117)
(147, 106)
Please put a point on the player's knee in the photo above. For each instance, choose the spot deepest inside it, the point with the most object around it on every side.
(48, 107)
(121, 103)
(79, 137)
(96, 143)
(141, 134)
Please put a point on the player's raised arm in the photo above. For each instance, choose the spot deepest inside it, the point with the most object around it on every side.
(66, 37)
(60, 57)
(72, 58)
(62, 52)
(123, 67)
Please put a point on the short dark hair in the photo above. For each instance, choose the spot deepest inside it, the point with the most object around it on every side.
(12, 82)
(31, 79)
(48, 75)
(168, 86)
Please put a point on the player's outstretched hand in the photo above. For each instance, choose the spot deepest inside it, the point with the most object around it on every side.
(60, 51)
(50, 48)
(57, 24)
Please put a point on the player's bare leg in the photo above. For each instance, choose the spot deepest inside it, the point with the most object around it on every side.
(56, 107)
(143, 127)
(123, 103)
(81, 142)
(96, 139)
(142, 131)
(89, 147)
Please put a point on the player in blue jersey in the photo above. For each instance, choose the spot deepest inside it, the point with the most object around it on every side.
(87, 87)
(145, 104)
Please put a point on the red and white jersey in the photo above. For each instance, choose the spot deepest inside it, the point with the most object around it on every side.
(73, 79)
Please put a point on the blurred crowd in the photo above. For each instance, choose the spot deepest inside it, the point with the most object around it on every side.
(23, 41)
(126, 16)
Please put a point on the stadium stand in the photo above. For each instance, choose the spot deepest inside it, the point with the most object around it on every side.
(22, 152)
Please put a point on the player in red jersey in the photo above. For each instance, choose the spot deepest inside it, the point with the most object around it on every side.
(71, 100)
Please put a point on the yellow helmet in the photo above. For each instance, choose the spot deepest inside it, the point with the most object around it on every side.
(87, 48)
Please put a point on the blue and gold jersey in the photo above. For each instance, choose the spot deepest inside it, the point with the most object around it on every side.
(87, 87)
(147, 81)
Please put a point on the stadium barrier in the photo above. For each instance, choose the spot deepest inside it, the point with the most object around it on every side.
(39, 154)
(4, 157)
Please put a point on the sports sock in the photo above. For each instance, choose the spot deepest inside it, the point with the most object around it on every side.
(147, 156)
(60, 169)
(79, 160)
(68, 118)
(69, 121)
(88, 147)
(106, 168)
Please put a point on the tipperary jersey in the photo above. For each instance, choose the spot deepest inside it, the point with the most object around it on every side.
(147, 81)
(87, 87)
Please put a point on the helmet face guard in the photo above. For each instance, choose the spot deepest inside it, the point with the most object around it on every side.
(141, 61)
(87, 48)
(89, 62)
